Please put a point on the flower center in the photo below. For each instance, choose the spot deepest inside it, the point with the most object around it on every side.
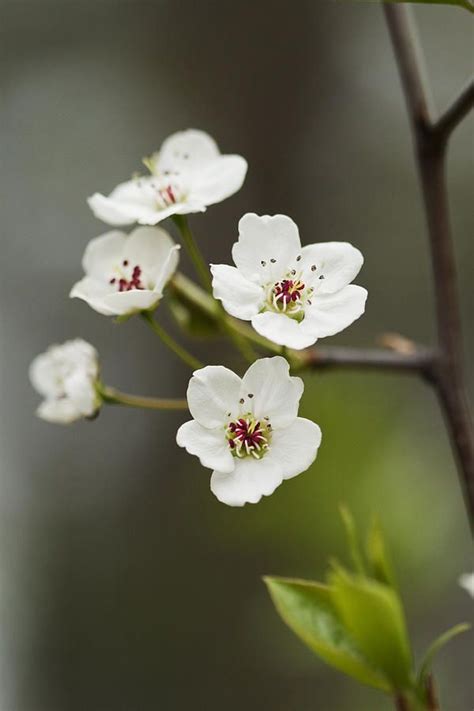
(248, 437)
(130, 282)
(167, 192)
(289, 296)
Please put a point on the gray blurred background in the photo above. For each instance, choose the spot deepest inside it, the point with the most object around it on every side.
(124, 585)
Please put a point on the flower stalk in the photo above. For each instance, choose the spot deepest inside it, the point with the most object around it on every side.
(112, 396)
(169, 341)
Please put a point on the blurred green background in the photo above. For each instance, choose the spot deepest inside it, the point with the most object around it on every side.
(124, 585)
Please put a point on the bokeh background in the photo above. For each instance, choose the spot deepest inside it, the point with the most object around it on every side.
(124, 585)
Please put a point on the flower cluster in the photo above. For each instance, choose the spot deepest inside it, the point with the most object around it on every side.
(246, 430)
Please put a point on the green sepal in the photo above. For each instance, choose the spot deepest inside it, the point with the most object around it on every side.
(308, 609)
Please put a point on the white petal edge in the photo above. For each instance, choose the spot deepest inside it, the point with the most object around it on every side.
(338, 262)
(219, 179)
(332, 313)
(275, 394)
(250, 480)
(210, 446)
(285, 331)
(213, 395)
(58, 412)
(267, 248)
(295, 447)
(240, 297)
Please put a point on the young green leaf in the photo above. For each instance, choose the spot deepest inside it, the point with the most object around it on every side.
(352, 539)
(307, 608)
(379, 561)
(373, 615)
(435, 647)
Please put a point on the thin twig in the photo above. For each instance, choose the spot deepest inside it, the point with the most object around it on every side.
(421, 362)
(453, 115)
(430, 144)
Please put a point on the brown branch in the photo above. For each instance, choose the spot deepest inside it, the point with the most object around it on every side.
(430, 143)
(401, 704)
(453, 115)
(431, 697)
(422, 361)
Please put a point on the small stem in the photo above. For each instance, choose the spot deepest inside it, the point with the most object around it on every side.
(431, 697)
(455, 113)
(401, 703)
(193, 250)
(112, 396)
(169, 341)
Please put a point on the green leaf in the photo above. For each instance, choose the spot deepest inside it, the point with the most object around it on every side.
(191, 319)
(373, 615)
(352, 539)
(436, 646)
(466, 4)
(307, 608)
(379, 561)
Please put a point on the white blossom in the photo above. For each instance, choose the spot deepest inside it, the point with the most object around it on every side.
(248, 430)
(188, 173)
(127, 273)
(293, 295)
(66, 376)
(466, 581)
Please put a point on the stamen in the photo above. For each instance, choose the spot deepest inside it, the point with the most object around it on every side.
(248, 437)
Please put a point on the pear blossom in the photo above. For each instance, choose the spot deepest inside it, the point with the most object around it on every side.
(292, 295)
(66, 376)
(247, 430)
(466, 581)
(188, 173)
(127, 273)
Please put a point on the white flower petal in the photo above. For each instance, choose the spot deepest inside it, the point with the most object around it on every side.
(129, 202)
(44, 377)
(168, 269)
(240, 297)
(275, 394)
(93, 292)
(267, 246)
(59, 412)
(295, 447)
(120, 303)
(213, 395)
(285, 331)
(209, 445)
(109, 210)
(250, 480)
(219, 179)
(466, 581)
(79, 389)
(337, 262)
(331, 313)
(185, 150)
(148, 247)
(102, 253)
